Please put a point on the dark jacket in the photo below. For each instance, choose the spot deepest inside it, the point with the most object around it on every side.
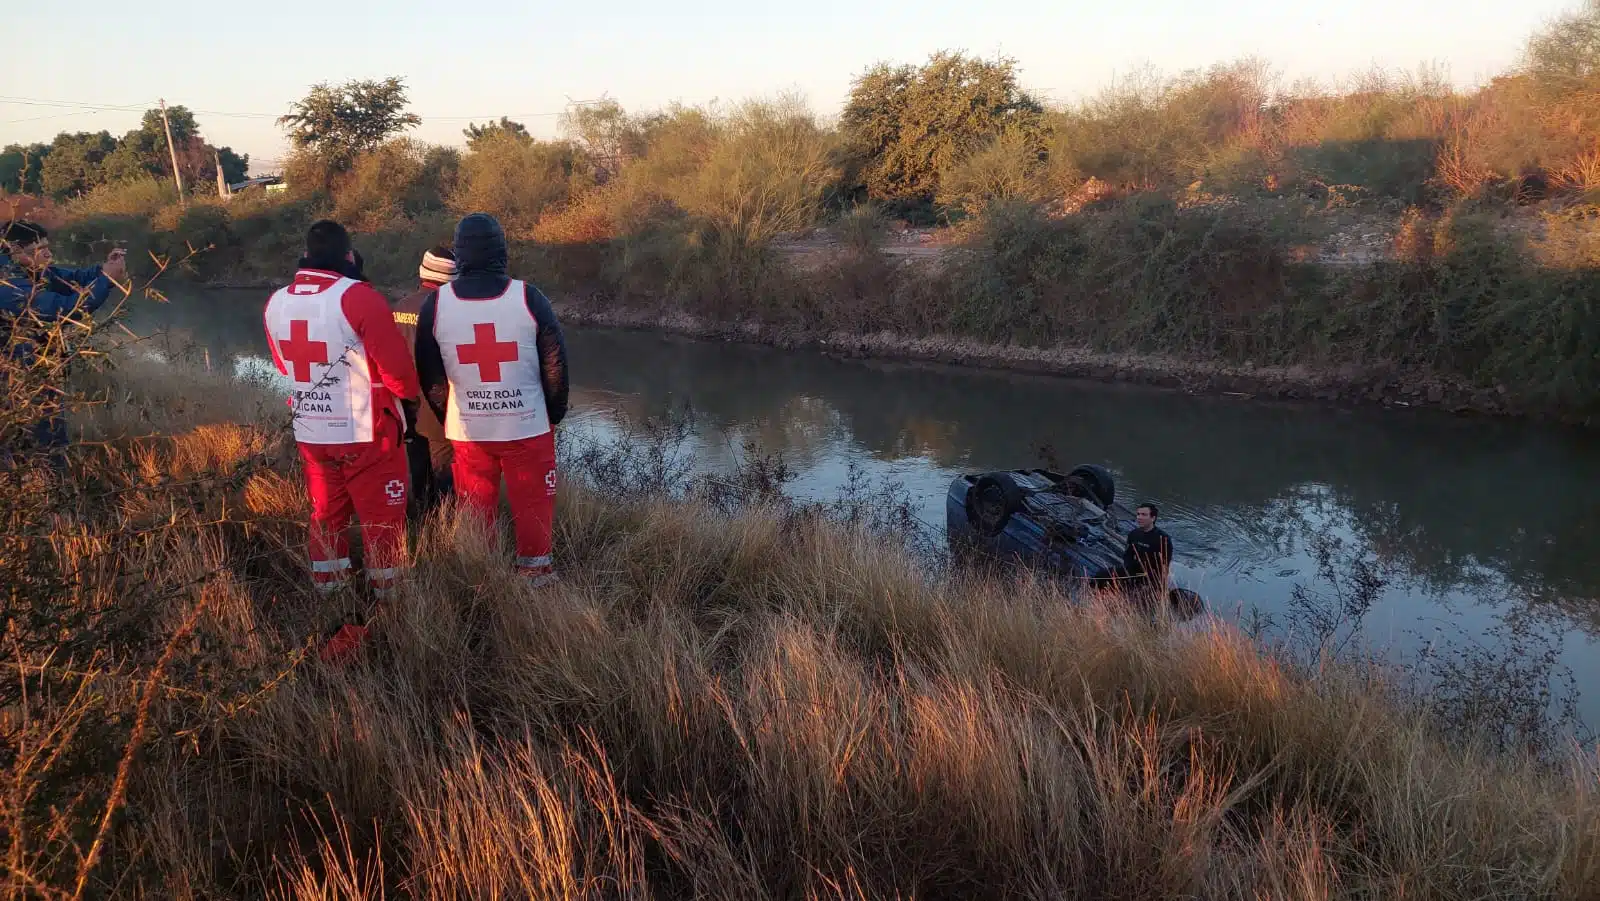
(58, 294)
(406, 312)
(1147, 553)
(481, 261)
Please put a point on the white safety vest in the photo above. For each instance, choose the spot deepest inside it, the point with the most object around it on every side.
(491, 357)
(327, 363)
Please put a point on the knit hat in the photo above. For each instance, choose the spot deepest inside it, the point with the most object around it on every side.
(480, 246)
(436, 268)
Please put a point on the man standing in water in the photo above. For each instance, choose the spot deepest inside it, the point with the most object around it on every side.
(493, 365)
(336, 340)
(1147, 555)
(1149, 550)
(429, 451)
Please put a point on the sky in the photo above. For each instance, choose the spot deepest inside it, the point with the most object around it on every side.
(482, 59)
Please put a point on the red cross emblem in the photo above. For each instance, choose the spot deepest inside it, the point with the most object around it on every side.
(300, 350)
(486, 353)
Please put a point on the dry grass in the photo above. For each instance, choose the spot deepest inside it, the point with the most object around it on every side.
(744, 705)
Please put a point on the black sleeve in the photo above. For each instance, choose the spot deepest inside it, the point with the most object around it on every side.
(430, 364)
(552, 354)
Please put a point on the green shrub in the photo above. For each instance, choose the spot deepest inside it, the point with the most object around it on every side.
(438, 181)
(1141, 274)
(1483, 307)
(90, 238)
(373, 194)
(1009, 169)
(862, 228)
(142, 196)
(1151, 132)
(766, 176)
(308, 176)
(517, 179)
(204, 239)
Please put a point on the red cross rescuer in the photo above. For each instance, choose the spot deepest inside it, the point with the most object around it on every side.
(350, 367)
(493, 365)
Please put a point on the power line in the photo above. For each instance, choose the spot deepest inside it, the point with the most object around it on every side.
(80, 108)
(33, 101)
(84, 112)
(208, 112)
(426, 117)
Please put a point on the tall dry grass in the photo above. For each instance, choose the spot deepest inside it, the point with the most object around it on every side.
(737, 700)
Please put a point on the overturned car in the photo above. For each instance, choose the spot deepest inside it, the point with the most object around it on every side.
(1068, 525)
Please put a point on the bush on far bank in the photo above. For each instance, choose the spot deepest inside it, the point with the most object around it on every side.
(1182, 217)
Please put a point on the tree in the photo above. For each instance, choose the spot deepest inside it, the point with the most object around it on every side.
(341, 123)
(198, 160)
(143, 153)
(1555, 94)
(476, 134)
(76, 163)
(904, 124)
(607, 133)
(86, 160)
(20, 168)
(128, 161)
(180, 119)
(1565, 57)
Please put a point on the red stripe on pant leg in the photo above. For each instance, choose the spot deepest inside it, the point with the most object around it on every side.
(531, 484)
(330, 515)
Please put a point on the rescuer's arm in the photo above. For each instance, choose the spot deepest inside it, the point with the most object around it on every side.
(272, 345)
(91, 285)
(552, 354)
(430, 364)
(54, 297)
(386, 348)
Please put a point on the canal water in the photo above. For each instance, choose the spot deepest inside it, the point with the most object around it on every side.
(1480, 523)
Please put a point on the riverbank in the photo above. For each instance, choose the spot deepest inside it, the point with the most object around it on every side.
(1385, 386)
(726, 697)
(1465, 310)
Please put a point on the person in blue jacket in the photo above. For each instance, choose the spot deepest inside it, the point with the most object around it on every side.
(34, 295)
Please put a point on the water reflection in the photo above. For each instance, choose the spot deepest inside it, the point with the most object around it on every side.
(1476, 515)
(1444, 493)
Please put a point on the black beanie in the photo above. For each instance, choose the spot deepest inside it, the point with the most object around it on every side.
(480, 246)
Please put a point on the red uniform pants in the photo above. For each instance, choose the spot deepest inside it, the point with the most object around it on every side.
(370, 480)
(529, 467)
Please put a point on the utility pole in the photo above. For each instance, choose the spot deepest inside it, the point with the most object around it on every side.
(222, 183)
(172, 149)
